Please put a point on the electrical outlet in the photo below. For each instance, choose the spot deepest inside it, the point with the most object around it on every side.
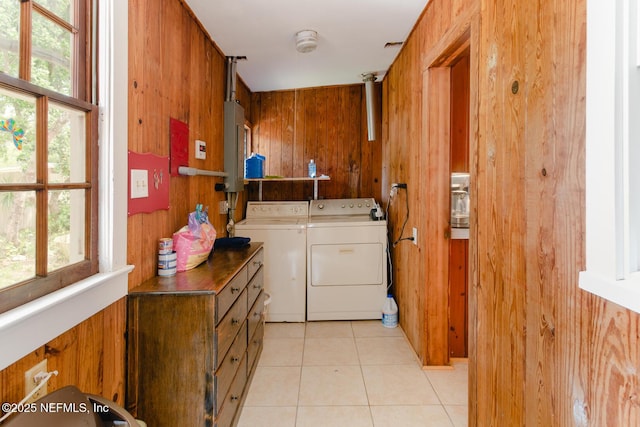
(223, 207)
(32, 377)
(415, 236)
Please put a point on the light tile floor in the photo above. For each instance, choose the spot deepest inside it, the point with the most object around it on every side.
(350, 373)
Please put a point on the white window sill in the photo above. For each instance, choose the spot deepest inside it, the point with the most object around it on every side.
(625, 293)
(25, 328)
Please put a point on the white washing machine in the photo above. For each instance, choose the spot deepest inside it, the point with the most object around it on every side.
(346, 260)
(281, 226)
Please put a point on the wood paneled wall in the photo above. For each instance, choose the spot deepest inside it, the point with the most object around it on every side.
(175, 70)
(542, 352)
(327, 124)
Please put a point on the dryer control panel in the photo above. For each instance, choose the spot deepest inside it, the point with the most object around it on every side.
(342, 207)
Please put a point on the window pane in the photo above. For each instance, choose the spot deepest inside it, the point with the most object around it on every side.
(51, 55)
(17, 138)
(17, 237)
(61, 8)
(67, 144)
(9, 37)
(66, 228)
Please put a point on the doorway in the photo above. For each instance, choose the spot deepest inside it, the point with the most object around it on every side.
(449, 120)
(461, 41)
(459, 237)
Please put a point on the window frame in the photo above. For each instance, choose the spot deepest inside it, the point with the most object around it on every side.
(45, 283)
(612, 140)
(83, 46)
(28, 327)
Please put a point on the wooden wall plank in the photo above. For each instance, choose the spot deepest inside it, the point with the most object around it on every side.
(460, 115)
(437, 81)
(542, 317)
(458, 307)
(500, 214)
(473, 259)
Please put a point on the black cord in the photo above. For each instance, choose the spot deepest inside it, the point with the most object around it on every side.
(389, 260)
(404, 224)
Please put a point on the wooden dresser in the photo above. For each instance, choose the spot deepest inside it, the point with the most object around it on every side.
(194, 340)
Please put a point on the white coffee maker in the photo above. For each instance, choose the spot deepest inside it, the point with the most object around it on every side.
(460, 200)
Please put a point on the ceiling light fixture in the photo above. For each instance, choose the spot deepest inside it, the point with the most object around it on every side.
(306, 41)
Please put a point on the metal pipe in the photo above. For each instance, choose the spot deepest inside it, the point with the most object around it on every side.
(231, 78)
(187, 171)
(369, 79)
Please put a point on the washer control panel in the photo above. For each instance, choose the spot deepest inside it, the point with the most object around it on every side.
(277, 210)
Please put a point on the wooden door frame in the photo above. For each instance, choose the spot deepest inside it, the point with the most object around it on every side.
(435, 215)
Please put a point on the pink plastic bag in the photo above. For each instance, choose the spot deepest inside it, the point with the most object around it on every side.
(193, 242)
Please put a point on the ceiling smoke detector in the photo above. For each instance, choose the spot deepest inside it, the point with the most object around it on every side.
(306, 41)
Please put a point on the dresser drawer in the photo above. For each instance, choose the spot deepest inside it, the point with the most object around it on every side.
(229, 366)
(229, 326)
(254, 347)
(254, 317)
(256, 262)
(255, 286)
(230, 293)
(232, 399)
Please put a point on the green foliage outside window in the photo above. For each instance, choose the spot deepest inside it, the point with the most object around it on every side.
(51, 68)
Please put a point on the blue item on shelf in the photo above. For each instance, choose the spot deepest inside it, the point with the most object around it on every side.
(254, 166)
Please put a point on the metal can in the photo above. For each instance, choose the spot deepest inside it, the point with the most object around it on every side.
(167, 264)
(165, 245)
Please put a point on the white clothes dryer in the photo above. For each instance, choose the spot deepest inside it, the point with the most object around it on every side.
(346, 260)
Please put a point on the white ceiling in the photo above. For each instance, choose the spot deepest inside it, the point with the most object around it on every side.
(351, 38)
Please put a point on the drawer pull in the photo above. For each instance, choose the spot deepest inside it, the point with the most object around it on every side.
(258, 263)
(235, 359)
(234, 290)
(234, 398)
(257, 342)
(256, 314)
(257, 286)
(235, 321)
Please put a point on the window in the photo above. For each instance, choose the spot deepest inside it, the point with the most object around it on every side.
(613, 152)
(48, 149)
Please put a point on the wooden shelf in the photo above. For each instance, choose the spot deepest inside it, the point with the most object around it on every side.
(304, 178)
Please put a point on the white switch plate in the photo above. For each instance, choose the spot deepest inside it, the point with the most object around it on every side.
(139, 183)
(201, 149)
(415, 236)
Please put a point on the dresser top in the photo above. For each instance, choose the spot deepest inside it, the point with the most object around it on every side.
(209, 277)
